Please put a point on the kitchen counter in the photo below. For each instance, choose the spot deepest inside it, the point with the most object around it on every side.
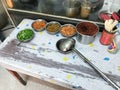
(40, 58)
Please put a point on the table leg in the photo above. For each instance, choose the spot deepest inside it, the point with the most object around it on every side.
(17, 76)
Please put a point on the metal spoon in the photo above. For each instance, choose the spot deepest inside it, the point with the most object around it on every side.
(24, 41)
(67, 45)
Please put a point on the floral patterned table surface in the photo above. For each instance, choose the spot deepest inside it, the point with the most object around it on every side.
(40, 58)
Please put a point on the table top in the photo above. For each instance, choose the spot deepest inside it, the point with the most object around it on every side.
(41, 59)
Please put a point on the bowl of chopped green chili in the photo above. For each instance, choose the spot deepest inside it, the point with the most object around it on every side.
(25, 35)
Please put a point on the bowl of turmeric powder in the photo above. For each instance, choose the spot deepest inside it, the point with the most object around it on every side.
(68, 30)
(39, 25)
(53, 27)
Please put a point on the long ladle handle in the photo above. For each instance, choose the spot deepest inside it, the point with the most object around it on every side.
(98, 71)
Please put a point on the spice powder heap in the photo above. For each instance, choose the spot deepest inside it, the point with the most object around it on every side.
(68, 31)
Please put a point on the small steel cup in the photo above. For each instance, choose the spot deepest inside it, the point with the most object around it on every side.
(87, 38)
(40, 26)
(72, 8)
(54, 30)
(72, 12)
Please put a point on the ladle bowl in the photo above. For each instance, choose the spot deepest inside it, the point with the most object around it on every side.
(67, 45)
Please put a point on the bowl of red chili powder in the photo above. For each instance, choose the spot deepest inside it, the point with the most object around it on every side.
(86, 32)
(39, 25)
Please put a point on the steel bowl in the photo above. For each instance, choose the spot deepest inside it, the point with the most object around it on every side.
(53, 27)
(39, 25)
(68, 30)
(86, 32)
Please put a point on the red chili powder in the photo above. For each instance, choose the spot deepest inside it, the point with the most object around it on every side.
(87, 28)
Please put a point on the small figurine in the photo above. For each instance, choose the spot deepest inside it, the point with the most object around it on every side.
(115, 45)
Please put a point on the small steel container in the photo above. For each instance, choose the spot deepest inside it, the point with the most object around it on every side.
(53, 27)
(39, 25)
(72, 8)
(68, 30)
(86, 32)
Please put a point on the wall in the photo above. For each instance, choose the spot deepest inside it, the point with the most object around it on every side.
(114, 5)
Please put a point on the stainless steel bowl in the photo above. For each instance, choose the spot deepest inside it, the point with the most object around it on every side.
(53, 27)
(86, 32)
(68, 30)
(39, 25)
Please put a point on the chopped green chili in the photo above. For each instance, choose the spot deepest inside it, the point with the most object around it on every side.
(25, 35)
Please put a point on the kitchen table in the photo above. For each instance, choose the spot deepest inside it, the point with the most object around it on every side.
(41, 59)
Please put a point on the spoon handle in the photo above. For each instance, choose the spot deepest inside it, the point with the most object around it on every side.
(98, 70)
(19, 43)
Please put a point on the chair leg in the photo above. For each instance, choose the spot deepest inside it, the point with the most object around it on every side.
(18, 77)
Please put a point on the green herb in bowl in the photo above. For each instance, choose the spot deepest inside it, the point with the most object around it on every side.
(25, 35)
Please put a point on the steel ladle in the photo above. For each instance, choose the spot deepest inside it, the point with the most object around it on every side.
(67, 45)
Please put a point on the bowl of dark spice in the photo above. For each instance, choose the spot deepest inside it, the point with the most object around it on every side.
(53, 27)
(86, 32)
(39, 25)
(68, 30)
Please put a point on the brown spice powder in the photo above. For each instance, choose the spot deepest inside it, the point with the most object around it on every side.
(87, 28)
(53, 27)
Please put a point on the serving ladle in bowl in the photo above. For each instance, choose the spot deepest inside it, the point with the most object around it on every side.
(67, 45)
